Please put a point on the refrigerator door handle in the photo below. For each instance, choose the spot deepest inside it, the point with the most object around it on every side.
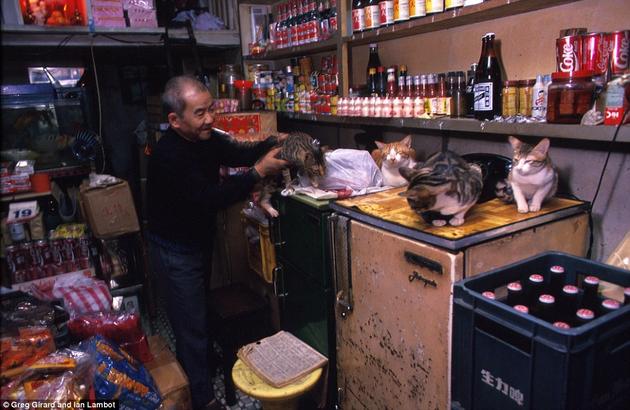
(423, 261)
(340, 263)
(277, 279)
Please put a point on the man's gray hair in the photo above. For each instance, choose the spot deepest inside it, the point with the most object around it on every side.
(172, 98)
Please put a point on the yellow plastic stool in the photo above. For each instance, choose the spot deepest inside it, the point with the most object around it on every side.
(272, 398)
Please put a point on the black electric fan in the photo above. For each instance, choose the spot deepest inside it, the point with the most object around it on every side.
(88, 146)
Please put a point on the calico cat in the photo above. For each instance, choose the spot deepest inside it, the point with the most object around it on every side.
(304, 155)
(444, 184)
(390, 157)
(532, 179)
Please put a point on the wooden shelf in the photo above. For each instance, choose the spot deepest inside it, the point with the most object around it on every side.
(488, 10)
(313, 48)
(81, 36)
(23, 196)
(599, 133)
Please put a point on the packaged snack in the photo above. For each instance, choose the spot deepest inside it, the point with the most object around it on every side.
(119, 376)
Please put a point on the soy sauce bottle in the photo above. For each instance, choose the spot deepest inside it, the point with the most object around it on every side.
(488, 80)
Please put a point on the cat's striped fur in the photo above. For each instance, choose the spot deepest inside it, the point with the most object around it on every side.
(389, 157)
(533, 178)
(445, 184)
(304, 155)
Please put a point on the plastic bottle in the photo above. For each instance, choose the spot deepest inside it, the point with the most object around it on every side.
(539, 99)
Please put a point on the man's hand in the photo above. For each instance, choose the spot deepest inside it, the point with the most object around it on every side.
(269, 164)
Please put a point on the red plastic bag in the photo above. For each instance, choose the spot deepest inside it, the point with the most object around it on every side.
(123, 328)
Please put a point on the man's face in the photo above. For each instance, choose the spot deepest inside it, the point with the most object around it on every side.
(195, 123)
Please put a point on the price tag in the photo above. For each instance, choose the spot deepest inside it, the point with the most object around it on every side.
(22, 211)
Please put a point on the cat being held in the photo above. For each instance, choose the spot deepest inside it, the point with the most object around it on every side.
(304, 155)
(443, 188)
(390, 157)
(533, 178)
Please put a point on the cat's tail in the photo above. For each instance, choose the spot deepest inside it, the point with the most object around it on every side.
(503, 191)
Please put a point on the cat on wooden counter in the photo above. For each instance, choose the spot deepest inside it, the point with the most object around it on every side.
(443, 188)
(532, 180)
(304, 155)
(389, 157)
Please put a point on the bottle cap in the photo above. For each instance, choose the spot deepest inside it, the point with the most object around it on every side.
(521, 308)
(373, 45)
(536, 278)
(585, 314)
(562, 325)
(611, 304)
(515, 286)
(556, 269)
(488, 294)
(591, 280)
(626, 291)
(546, 299)
(570, 289)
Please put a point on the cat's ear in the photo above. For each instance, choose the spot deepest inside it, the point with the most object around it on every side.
(406, 141)
(407, 172)
(515, 142)
(379, 144)
(542, 147)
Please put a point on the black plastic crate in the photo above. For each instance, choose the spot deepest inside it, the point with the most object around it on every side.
(504, 359)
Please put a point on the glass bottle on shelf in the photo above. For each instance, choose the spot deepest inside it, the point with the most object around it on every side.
(332, 17)
(488, 81)
(470, 91)
(392, 87)
(373, 61)
(358, 15)
(381, 80)
(372, 85)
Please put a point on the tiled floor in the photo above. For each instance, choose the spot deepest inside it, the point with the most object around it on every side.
(162, 327)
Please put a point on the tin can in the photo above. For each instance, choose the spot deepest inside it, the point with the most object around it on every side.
(13, 258)
(510, 98)
(417, 8)
(401, 10)
(17, 232)
(434, 6)
(452, 4)
(595, 53)
(386, 8)
(569, 53)
(619, 42)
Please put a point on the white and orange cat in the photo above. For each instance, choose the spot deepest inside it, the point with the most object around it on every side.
(389, 157)
(533, 178)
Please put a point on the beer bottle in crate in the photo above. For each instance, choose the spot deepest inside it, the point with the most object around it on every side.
(546, 307)
(562, 325)
(568, 302)
(557, 279)
(521, 308)
(584, 316)
(535, 287)
(488, 294)
(515, 293)
(590, 287)
(608, 305)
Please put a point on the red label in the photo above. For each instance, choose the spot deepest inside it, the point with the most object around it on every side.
(358, 19)
(612, 115)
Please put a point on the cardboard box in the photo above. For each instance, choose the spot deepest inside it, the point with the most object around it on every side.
(169, 376)
(110, 211)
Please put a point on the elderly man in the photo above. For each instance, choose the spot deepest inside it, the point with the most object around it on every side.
(184, 194)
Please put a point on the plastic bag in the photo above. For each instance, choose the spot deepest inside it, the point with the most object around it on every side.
(121, 377)
(122, 328)
(350, 168)
(82, 294)
(63, 376)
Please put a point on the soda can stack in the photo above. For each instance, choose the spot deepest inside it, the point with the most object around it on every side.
(596, 52)
(39, 259)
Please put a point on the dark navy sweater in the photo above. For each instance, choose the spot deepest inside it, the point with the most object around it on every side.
(184, 192)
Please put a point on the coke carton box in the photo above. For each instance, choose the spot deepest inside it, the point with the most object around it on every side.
(504, 358)
(248, 126)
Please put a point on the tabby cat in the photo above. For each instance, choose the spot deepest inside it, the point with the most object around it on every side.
(533, 178)
(304, 155)
(443, 188)
(390, 157)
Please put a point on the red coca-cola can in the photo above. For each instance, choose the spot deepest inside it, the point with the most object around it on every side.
(619, 50)
(595, 52)
(569, 53)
